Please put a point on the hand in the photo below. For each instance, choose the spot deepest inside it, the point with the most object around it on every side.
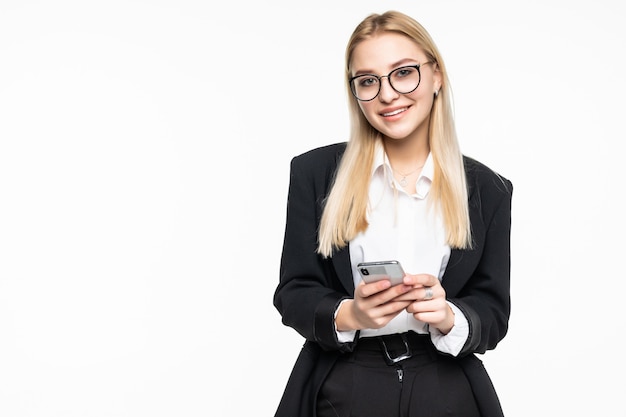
(428, 301)
(373, 306)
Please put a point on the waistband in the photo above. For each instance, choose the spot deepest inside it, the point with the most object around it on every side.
(395, 348)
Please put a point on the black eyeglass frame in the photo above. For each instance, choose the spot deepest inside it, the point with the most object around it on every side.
(380, 80)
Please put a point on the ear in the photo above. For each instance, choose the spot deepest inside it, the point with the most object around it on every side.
(437, 79)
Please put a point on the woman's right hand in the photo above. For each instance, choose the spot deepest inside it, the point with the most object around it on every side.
(372, 307)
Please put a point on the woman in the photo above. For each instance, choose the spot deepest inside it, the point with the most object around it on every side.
(399, 189)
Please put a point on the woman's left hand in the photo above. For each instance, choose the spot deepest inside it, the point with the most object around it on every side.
(429, 303)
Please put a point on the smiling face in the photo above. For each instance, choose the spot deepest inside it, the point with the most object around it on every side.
(396, 116)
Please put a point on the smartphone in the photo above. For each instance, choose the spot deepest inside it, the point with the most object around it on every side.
(375, 271)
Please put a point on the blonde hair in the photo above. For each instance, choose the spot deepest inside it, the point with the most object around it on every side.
(345, 210)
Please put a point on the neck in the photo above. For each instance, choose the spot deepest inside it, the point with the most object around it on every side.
(406, 155)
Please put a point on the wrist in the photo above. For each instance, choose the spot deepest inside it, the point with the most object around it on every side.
(344, 320)
(448, 322)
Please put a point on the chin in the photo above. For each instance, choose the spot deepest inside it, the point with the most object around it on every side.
(395, 135)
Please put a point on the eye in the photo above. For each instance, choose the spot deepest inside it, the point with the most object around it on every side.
(404, 72)
(367, 81)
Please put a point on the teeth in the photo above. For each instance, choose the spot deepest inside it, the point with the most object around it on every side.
(393, 113)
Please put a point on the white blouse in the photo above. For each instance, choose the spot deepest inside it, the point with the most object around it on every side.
(405, 228)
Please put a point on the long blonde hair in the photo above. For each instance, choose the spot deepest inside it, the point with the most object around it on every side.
(345, 210)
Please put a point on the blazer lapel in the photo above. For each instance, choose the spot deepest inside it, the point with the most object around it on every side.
(341, 262)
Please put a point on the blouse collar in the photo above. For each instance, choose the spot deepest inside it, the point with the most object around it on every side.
(381, 165)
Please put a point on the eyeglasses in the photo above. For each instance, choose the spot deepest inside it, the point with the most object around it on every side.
(404, 80)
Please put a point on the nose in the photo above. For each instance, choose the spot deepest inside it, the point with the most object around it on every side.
(387, 92)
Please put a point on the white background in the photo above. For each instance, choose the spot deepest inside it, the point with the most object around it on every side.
(144, 154)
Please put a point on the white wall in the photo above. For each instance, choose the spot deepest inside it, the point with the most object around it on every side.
(144, 153)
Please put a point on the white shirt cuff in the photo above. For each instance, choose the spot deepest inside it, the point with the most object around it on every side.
(452, 342)
(347, 336)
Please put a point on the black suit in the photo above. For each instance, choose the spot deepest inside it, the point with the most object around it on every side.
(310, 288)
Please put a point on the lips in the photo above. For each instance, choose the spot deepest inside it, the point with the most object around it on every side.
(394, 112)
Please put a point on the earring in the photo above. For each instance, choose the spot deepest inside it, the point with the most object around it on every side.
(436, 93)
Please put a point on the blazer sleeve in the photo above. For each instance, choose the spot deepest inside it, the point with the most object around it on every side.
(478, 280)
(309, 290)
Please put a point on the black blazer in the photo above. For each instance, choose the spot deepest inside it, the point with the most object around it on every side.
(310, 287)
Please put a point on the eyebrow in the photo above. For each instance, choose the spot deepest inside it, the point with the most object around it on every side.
(402, 62)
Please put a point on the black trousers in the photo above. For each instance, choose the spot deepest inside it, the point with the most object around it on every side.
(368, 383)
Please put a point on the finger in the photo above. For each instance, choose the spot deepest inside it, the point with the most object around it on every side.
(423, 294)
(378, 316)
(367, 290)
(421, 280)
(430, 316)
(429, 306)
(382, 291)
(421, 306)
(428, 293)
(391, 308)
